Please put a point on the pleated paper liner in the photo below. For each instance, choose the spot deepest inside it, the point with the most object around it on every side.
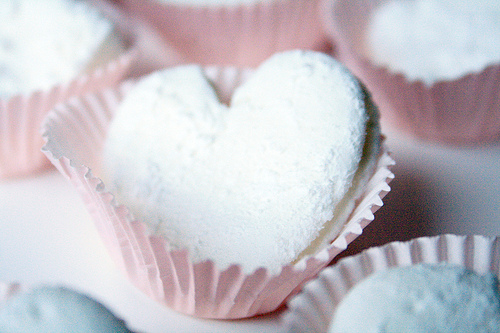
(21, 115)
(312, 310)
(152, 51)
(238, 34)
(75, 133)
(464, 111)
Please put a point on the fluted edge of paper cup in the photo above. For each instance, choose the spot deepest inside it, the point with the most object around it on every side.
(22, 115)
(240, 35)
(312, 310)
(169, 277)
(461, 111)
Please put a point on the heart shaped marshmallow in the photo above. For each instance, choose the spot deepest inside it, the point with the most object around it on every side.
(252, 183)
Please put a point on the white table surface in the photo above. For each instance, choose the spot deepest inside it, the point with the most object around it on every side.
(47, 236)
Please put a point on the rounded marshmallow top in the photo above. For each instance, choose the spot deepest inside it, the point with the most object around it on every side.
(421, 298)
(252, 183)
(43, 43)
(57, 309)
(435, 40)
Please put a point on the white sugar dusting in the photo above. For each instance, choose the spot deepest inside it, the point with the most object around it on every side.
(46, 42)
(252, 183)
(435, 40)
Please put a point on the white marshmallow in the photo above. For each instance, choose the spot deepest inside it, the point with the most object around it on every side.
(56, 309)
(250, 184)
(421, 298)
(43, 43)
(435, 40)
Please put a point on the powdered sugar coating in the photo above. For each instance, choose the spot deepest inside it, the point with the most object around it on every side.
(252, 183)
(57, 309)
(421, 298)
(47, 42)
(434, 40)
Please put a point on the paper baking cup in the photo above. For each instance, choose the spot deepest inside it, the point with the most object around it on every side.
(461, 111)
(75, 133)
(240, 35)
(21, 116)
(312, 310)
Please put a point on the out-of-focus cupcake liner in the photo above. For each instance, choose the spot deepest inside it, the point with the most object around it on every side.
(75, 133)
(461, 111)
(312, 310)
(152, 51)
(239, 35)
(21, 115)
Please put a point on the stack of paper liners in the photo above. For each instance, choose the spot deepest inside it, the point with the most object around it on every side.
(75, 134)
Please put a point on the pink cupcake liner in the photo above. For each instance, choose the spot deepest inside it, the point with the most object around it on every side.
(312, 310)
(240, 35)
(75, 133)
(152, 52)
(21, 117)
(461, 111)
